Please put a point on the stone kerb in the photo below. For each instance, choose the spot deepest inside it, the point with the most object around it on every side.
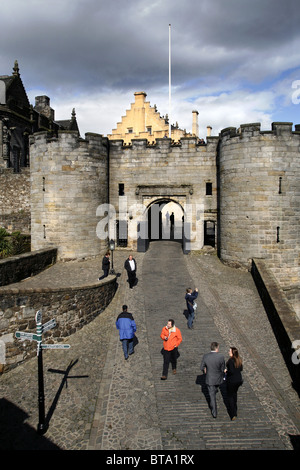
(71, 307)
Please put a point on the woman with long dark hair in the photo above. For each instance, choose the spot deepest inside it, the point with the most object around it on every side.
(234, 367)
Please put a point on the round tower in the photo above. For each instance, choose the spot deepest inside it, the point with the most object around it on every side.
(259, 197)
(68, 183)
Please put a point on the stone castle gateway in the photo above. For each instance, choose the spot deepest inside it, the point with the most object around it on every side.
(238, 191)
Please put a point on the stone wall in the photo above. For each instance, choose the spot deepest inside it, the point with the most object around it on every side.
(15, 200)
(17, 268)
(72, 308)
(162, 172)
(68, 183)
(282, 317)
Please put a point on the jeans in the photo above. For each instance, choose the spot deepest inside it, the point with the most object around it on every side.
(191, 319)
(105, 274)
(127, 345)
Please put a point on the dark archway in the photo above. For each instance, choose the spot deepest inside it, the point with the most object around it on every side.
(165, 220)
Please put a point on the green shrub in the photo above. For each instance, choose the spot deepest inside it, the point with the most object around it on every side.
(13, 244)
(5, 245)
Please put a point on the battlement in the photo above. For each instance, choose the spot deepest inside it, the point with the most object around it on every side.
(254, 129)
(162, 143)
(69, 138)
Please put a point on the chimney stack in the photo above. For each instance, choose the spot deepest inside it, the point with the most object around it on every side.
(195, 127)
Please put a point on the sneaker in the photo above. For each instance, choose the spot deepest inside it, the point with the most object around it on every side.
(163, 377)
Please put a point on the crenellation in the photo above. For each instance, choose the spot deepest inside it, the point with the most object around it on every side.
(282, 128)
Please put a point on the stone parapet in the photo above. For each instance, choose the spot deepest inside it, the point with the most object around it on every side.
(282, 317)
(71, 307)
(17, 268)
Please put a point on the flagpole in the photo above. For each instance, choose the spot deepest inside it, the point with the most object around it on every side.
(169, 81)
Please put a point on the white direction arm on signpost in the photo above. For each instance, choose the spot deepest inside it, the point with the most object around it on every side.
(40, 329)
(55, 346)
(38, 317)
(49, 325)
(24, 335)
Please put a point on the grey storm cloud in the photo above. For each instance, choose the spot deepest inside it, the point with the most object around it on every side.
(97, 44)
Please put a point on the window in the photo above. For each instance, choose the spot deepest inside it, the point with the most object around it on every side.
(280, 185)
(122, 233)
(208, 189)
(130, 130)
(149, 130)
(121, 189)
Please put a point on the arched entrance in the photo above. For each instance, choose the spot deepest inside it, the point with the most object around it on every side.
(164, 220)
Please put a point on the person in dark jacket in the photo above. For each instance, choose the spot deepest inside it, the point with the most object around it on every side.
(234, 367)
(105, 266)
(190, 298)
(126, 325)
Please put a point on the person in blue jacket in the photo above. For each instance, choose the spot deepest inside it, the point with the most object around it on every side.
(190, 298)
(126, 325)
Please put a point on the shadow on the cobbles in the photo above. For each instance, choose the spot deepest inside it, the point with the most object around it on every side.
(64, 382)
(15, 434)
(200, 380)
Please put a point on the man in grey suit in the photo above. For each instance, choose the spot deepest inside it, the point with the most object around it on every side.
(213, 365)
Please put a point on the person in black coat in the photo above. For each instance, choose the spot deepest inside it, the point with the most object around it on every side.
(130, 266)
(234, 367)
(105, 266)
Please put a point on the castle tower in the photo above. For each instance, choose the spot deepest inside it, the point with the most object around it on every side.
(68, 183)
(259, 200)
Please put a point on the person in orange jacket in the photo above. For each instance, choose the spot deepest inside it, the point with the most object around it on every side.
(171, 336)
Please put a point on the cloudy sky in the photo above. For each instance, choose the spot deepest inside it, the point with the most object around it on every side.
(234, 61)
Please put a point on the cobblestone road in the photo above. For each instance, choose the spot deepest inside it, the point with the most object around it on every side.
(97, 401)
